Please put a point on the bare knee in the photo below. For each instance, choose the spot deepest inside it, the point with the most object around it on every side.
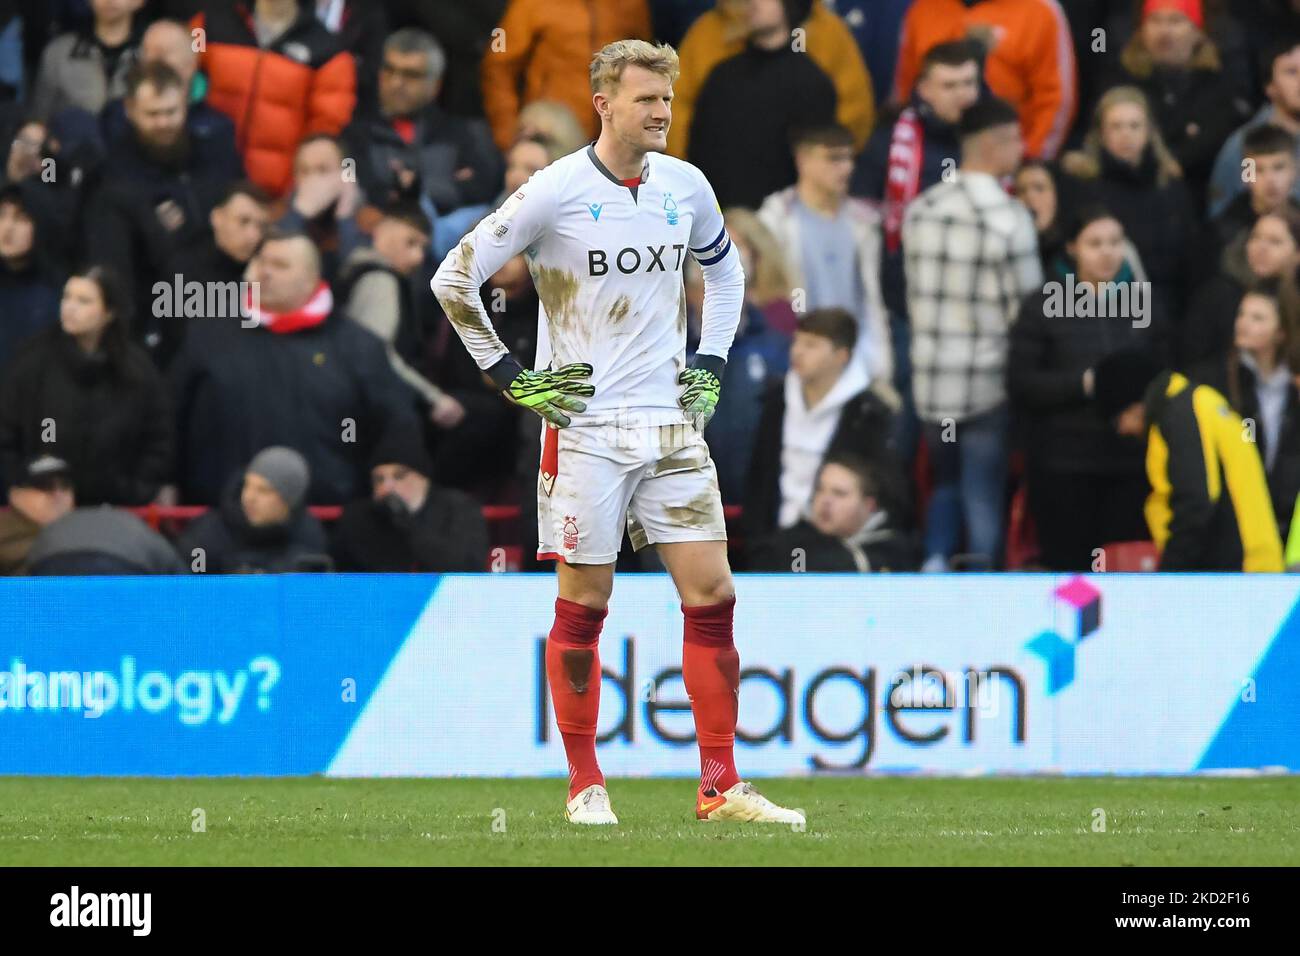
(716, 589)
(587, 584)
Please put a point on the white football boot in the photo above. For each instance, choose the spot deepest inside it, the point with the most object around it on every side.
(590, 806)
(745, 804)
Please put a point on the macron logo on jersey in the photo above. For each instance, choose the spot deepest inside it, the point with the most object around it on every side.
(595, 208)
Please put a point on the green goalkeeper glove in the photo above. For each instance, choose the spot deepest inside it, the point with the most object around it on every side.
(703, 381)
(548, 393)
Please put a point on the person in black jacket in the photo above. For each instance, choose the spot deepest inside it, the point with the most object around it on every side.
(1271, 250)
(29, 289)
(1255, 376)
(846, 529)
(749, 106)
(1125, 166)
(159, 182)
(1196, 104)
(1039, 185)
(823, 405)
(82, 391)
(239, 223)
(407, 147)
(261, 525)
(306, 376)
(1086, 484)
(408, 523)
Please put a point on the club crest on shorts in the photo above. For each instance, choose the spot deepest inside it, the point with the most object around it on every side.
(570, 532)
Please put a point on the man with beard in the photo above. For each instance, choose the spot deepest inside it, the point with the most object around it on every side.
(160, 181)
(408, 523)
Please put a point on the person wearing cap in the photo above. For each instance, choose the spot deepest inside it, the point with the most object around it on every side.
(1172, 59)
(408, 523)
(261, 524)
(970, 257)
(40, 495)
(1209, 507)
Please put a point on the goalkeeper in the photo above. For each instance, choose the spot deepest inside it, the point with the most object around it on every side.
(606, 231)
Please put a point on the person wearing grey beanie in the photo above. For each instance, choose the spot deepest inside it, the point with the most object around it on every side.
(284, 470)
(262, 524)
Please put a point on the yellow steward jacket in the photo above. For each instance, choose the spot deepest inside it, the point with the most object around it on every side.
(1209, 508)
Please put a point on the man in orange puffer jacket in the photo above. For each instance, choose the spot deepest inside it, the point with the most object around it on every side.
(280, 75)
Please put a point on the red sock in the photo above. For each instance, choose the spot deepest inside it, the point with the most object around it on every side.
(573, 673)
(711, 672)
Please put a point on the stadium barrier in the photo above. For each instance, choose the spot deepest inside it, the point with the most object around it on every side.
(358, 675)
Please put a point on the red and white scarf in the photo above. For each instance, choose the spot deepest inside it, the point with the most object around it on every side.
(903, 180)
(312, 313)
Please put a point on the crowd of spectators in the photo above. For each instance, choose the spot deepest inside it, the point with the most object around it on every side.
(1000, 255)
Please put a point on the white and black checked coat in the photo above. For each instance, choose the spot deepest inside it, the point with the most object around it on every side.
(970, 257)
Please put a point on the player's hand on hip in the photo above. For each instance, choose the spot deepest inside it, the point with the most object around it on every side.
(553, 393)
(700, 397)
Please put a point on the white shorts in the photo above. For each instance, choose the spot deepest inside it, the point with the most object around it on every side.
(659, 482)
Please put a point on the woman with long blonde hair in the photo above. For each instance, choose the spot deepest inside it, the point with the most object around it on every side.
(1125, 165)
(1195, 101)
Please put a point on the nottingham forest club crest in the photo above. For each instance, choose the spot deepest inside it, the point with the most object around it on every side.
(670, 209)
(570, 532)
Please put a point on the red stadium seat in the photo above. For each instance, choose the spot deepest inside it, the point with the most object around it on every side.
(1022, 538)
(1130, 556)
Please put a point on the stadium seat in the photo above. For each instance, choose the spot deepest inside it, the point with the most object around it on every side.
(1130, 556)
(1022, 538)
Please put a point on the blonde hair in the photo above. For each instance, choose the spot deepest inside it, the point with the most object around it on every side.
(554, 122)
(1086, 163)
(608, 65)
(770, 281)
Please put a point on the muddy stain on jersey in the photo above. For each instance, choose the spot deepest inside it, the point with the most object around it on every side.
(558, 290)
(618, 311)
(461, 312)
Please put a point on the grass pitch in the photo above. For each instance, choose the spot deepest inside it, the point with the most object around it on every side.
(851, 821)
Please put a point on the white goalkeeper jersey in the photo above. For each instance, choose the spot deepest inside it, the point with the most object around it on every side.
(606, 260)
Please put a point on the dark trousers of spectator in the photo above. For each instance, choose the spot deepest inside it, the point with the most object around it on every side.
(1076, 514)
(969, 471)
(907, 427)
